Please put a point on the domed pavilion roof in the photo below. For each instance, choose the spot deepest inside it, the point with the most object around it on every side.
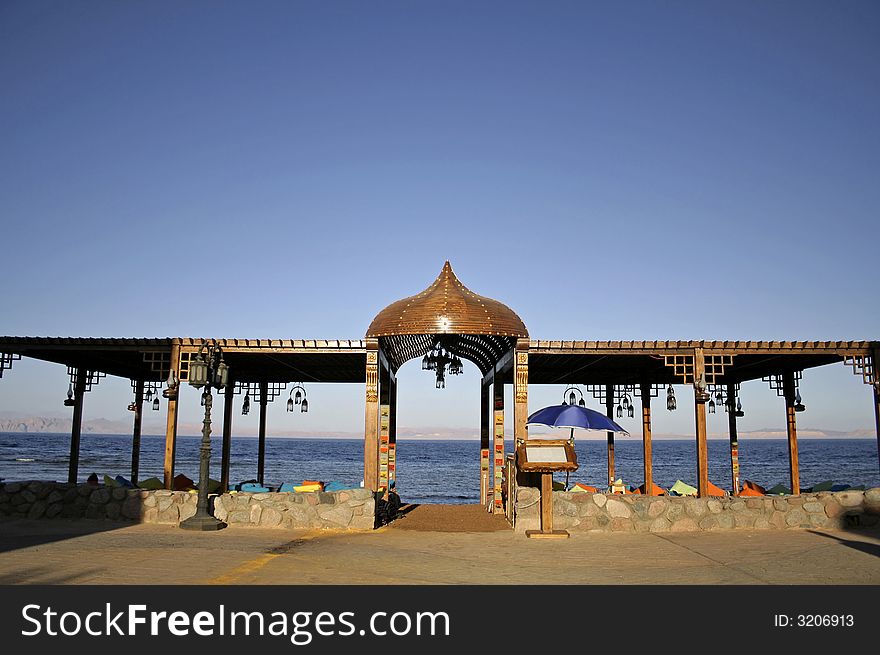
(447, 307)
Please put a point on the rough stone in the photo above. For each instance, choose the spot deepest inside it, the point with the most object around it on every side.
(725, 520)
(54, 510)
(163, 503)
(600, 500)
(780, 505)
(796, 517)
(761, 523)
(113, 510)
(872, 495)
(171, 514)
(777, 520)
(119, 493)
(660, 524)
(833, 509)
(131, 508)
(818, 521)
(744, 520)
(657, 507)
(813, 506)
(187, 510)
(339, 515)
(95, 512)
(617, 509)
(714, 506)
(362, 523)
(326, 498)
(100, 497)
(565, 508)
(755, 503)
(43, 490)
(708, 522)
(85, 489)
(850, 498)
(37, 509)
(54, 497)
(150, 501)
(684, 525)
(12, 488)
(239, 516)
(674, 511)
(622, 524)
(696, 507)
(29, 496)
(17, 500)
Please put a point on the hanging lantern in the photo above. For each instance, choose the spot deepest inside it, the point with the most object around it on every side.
(290, 404)
(670, 398)
(149, 395)
(304, 406)
(631, 410)
(626, 401)
(581, 402)
(572, 398)
(711, 406)
(246, 405)
(798, 405)
(204, 395)
(619, 411)
(297, 397)
(156, 404)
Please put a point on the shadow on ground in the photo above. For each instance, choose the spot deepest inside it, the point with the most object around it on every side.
(863, 546)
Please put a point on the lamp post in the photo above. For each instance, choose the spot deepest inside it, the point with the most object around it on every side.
(207, 370)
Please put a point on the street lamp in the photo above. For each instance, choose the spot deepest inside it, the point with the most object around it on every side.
(207, 370)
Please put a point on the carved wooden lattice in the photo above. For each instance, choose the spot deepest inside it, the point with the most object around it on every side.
(655, 390)
(159, 361)
(777, 382)
(273, 390)
(522, 378)
(92, 377)
(155, 387)
(683, 366)
(618, 391)
(862, 365)
(6, 360)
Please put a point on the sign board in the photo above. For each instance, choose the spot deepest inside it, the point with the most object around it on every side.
(546, 456)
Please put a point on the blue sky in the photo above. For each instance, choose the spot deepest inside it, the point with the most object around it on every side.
(640, 170)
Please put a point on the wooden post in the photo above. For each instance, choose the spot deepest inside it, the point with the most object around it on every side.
(485, 433)
(226, 450)
(609, 412)
(700, 413)
(498, 446)
(384, 424)
(371, 417)
(261, 454)
(79, 392)
(877, 415)
(521, 390)
(171, 419)
(646, 438)
(734, 440)
(546, 502)
(136, 431)
(392, 432)
(791, 427)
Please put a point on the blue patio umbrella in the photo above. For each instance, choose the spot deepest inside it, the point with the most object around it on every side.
(574, 417)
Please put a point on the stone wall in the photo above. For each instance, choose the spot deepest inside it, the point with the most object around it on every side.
(353, 509)
(588, 512)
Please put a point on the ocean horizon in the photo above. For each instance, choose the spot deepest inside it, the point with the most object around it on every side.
(436, 470)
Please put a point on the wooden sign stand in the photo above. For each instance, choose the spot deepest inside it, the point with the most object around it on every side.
(560, 456)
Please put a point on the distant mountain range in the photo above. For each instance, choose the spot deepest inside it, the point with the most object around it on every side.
(10, 423)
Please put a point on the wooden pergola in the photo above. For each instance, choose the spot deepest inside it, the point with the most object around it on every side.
(482, 330)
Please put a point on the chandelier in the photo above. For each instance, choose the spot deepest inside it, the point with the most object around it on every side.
(442, 360)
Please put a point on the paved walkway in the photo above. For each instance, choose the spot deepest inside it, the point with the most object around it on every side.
(94, 552)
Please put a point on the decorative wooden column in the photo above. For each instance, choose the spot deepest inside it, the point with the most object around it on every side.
(485, 434)
(498, 447)
(609, 412)
(79, 391)
(261, 454)
(734, 441)
(700, 398)
(521, 390)
(788, 386)
(384, 422)
(371, 417)
(171, 419)
(392, 432)
(645, 393)
(136, 430)
(226, 450)
(877, 415)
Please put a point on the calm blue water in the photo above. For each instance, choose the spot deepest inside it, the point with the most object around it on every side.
(436, 471)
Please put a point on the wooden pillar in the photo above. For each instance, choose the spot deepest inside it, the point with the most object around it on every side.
(261, 455)
(371, 417)
(485, 433)
(392, 432)
(384, 422)
(226, 450)
(498, 446)
(647, 454)
(609, 412)
(700, 417)
(791, 428)
(877, 414)
(521, 390)
(734, 440)
(136, 430)
(79, 392)
(171, 418)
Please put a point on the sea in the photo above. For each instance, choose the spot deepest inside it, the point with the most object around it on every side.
(436, 471)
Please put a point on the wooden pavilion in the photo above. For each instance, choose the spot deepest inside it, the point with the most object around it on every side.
(440, 325)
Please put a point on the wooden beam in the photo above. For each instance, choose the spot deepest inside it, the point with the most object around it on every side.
(226, 449)
(136, 430)
(261, 450)
(734, 439)
(521, 390)
(371, 417)
(384, 424)
(171, 418)
(392, 432)
(788, 387)
(79, 392)
(700, 419)
(609, 412)
(647, 453)
(875, 358)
